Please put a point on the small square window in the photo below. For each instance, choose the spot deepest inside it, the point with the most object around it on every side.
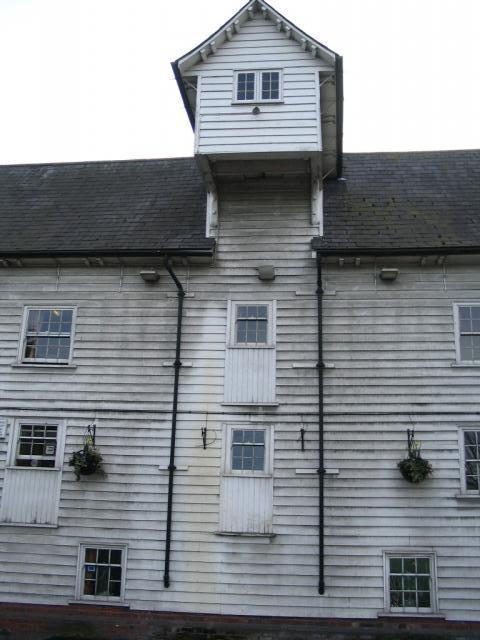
(470, 460)
(467, 332)
(36, 445)
(410, 583)
(102, 572)
(258, 86)
(47, 336)
(248, 450)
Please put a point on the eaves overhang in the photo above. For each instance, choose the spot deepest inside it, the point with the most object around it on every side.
(393, 251)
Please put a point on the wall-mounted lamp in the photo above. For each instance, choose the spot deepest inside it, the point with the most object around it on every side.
(266, 272)
(389, 275)
(256, 111)
(150, 275)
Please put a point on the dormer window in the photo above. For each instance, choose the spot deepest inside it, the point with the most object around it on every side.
(258, 86)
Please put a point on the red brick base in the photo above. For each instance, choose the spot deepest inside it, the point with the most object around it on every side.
(85, 622)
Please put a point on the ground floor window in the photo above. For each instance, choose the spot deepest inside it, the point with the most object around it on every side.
(410, 582)
(101, 572)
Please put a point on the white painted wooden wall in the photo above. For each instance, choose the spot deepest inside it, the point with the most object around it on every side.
(392, 348)
(226, 128)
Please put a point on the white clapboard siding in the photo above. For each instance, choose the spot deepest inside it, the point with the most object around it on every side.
(391, 348)
(249, 375)
(246, 505)
(223, 127)
(30, 496)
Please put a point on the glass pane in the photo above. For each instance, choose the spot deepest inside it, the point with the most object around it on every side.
(466, 348)
(410, 599)
(409, 565)
(237, 463)
(259, 436)
(37, 448)
(116, 556)
(396, 599)
(102, 581)
(261, 332)
(241, 331)
(409, 583)
(395, 583)
(247, 451)
(423, 583)
(423, 565)
(263, 311)
(89, 588)
(251, 331)
(471, 468)
(33, 320)
(424, 599)
(115, 589)
(471, 437)
(472, 483)
(248, 436)
(237, 451)
(241, 312)
(258, 460)
(237, 436)
(465, 319)
(115, 573)
(471, 453)
(103, 555)
(476, 347)
(26, 430)
(67, 316)
(90, 555)
(395, 565)
(24, 449)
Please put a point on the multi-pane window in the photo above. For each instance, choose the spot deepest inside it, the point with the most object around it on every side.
(258, 86)
(468, 333)
(48, 336)
(251, 324)
(471, 444)
(270, 85)
(36, 445)
(102, 572)
(248, 450)
(246, 86)
(410, 583)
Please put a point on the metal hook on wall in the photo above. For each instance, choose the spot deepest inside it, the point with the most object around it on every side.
(90, 434)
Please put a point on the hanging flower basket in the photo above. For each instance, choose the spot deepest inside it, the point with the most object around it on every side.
(414, 469)
(88, 460)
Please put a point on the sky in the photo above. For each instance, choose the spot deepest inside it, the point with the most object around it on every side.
(91, 79)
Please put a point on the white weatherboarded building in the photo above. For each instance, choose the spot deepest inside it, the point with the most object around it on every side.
(245, 337)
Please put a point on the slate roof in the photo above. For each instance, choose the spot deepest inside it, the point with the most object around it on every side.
(139, 207)
(403, 202)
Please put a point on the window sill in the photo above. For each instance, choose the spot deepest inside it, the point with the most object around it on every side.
(247, 474)
(250, 404)
(42, 469)
(100, 603)
(475, 497)
(239, 534)
(252, 345)
(51, 365)
(255, 102)
(422, 616)
(24, 524)
(460, 365)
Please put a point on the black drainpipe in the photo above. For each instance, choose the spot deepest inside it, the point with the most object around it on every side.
(171, 465)
(321, 470)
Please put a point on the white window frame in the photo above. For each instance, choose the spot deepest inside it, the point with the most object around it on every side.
(15, 435)
(99, 544)
(456, 323)
(411, 553)
(38, 362)
(461, 449)
(228, 430)
(258, 86)
(231, 325)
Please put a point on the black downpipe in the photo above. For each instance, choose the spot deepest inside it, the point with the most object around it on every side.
(171, 465)
(321, 469)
